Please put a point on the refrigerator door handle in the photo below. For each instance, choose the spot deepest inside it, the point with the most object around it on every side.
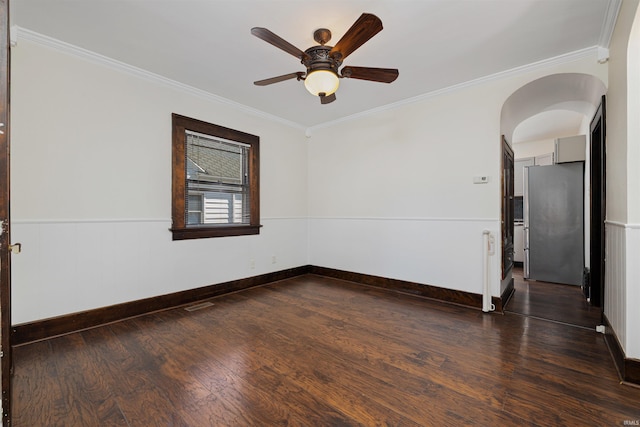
(525, 217)
(526, 252)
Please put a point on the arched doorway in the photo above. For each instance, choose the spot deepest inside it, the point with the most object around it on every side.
(555, 106)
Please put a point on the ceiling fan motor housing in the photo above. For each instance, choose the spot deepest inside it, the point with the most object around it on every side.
(320, 59)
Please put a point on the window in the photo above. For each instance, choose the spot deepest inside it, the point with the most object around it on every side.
(215, 181)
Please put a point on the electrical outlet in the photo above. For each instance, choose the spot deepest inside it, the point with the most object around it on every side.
(252, 264)
(273, 259)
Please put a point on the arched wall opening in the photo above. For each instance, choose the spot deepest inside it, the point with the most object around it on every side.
(554, 106)
(567, 92)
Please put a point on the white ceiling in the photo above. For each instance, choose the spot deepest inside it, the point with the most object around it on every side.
(207, 44)
(548, 125)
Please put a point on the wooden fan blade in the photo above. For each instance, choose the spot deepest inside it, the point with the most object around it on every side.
(327, 99)
(383, 75)
(279, 42)
(279, 79)
(363, 29)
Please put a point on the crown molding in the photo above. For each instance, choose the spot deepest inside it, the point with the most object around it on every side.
(401, 219)
(58, 45)
(590, 52)
(96, 58)
(609, 23)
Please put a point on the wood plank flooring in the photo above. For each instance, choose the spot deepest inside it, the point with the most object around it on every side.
(552, 301)
(315, 351)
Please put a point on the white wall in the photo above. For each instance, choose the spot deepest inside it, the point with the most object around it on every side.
(523, 150)
(91, 188)
(633, 124)
(622, 284)
(392, 194)
(617, 119)
(633, 186)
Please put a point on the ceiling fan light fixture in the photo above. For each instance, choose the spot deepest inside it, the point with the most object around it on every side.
(322, 81)
(322, 62)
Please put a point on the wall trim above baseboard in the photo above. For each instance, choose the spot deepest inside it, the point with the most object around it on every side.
(622, 224)
(38, 330)
(89, 221)
(128, 220)
(398, 219)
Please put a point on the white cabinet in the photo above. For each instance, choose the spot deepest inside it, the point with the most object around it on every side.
(544, 159)
(571, 149)
(518, 179)
(518, 243)
(520, 164)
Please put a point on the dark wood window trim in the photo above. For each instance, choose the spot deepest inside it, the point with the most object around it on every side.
(179, 228)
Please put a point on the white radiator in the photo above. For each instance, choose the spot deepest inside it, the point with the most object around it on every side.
(488, 249)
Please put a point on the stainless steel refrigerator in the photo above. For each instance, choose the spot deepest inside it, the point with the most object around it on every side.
(554, 223)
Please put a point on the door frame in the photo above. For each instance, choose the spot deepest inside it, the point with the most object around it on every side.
(5, 235)
(597, 206)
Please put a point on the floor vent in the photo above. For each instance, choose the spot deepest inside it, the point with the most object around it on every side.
(199, 306)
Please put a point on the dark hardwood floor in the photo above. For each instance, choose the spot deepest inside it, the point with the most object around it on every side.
(552, 301)
(315, 351)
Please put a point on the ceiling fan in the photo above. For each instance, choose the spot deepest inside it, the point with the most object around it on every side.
(322, 62)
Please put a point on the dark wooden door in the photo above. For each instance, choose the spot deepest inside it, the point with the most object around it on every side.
(5, 236)
(508, 207)
(594, 291)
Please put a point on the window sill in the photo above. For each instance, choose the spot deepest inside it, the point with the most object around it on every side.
(216, 231)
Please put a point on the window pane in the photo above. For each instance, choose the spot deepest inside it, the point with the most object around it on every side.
(237, 209)
(217, 208)
(194, 209)
(215, 160)
(217, 174)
